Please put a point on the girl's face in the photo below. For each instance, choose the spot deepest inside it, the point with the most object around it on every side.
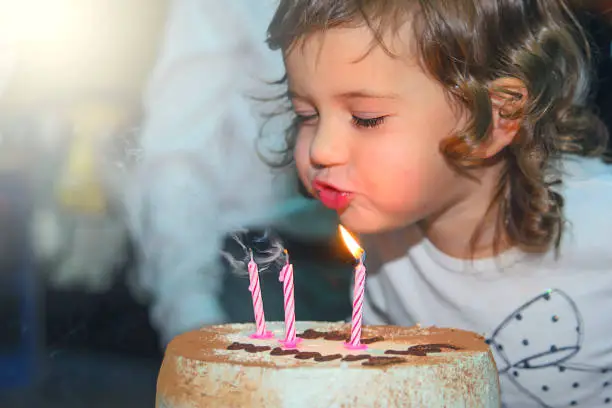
(371, 126)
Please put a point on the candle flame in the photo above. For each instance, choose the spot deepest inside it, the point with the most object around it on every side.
(351, 243)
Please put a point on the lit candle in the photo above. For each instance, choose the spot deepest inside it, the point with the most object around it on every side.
(354, 342)
(255, 289)
(286, 276)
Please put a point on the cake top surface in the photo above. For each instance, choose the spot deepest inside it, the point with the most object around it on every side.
(322, 345)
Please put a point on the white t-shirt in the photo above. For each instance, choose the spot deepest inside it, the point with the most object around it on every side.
(544, 317)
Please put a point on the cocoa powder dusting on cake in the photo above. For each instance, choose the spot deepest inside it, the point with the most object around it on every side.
(205, 344)
(467, 375)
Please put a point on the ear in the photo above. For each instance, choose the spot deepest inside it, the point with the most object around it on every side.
(508, 98)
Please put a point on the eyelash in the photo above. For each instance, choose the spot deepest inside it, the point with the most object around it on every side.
(368, 123)
(301, 119)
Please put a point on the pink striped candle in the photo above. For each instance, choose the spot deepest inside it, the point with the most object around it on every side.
(358, 294)
(354, 342)
(255, 289)
(286, 276)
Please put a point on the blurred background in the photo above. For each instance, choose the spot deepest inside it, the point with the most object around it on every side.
(81, 323)
(75, 327)
(72, 74)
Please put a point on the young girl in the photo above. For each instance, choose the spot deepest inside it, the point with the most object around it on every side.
(439, 130)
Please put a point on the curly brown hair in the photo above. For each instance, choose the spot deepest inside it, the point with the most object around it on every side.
(466, 45)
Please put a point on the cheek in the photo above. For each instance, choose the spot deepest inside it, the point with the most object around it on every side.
(408, 170)
(398, 158)
(301, 156)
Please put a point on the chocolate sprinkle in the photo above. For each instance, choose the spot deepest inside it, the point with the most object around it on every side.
(237, 346)
(277, 351)
(249, 348)
(434, 348)
(421, 350)
(408, 352)
(311, 334)
(256, 349)
(448, 346)
(382, 361)
(426, 348)
(304, 355)
(372, 340)
(329, 357)
(356, 357)
(336, 336)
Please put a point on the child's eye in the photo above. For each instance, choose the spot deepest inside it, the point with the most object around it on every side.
(368, 122)
(302, 119)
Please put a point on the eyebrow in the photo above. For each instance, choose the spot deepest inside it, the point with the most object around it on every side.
(364, 94)
(361, 94)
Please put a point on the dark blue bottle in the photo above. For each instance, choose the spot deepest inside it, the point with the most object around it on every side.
(20, 327)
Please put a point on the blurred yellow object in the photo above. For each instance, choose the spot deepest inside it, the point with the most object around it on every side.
(98, 119)
(80, 188)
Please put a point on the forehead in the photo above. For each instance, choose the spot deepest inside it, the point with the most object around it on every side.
(339, 57)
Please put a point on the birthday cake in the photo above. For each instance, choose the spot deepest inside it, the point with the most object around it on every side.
(223, 366)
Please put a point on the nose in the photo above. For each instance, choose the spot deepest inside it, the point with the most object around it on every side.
(329, 146)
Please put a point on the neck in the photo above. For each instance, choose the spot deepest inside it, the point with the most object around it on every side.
(453, 230)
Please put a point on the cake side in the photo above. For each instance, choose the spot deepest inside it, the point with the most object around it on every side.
(222, 366)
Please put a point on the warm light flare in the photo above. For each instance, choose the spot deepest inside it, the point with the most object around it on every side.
(44, 21)
(351, 243)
